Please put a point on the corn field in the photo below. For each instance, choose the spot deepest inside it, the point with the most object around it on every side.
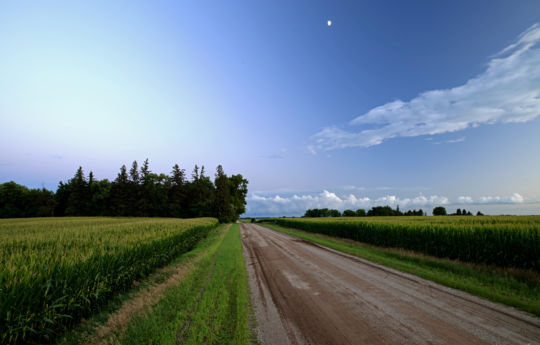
(506, 241)
(53, 271)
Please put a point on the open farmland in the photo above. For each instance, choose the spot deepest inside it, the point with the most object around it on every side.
(504, 241)
(55, 271)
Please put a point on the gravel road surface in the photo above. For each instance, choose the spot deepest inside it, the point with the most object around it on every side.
(307, 294)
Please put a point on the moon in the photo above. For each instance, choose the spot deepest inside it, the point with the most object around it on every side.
(329, 23)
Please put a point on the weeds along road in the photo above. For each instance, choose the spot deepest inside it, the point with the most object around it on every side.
(307, 294)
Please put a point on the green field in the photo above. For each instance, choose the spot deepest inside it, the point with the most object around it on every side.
(55, 271)
(505, 241)
(210, 306)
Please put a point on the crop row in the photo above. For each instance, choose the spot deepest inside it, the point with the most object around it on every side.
(501, 241)
(54, 272)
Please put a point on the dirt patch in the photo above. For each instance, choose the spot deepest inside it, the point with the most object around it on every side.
(308, 294)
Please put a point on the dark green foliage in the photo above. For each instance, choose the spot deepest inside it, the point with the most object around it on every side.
(481, 241)
(323, 212)
(223, 207)
(139, 193)
(439, 211)
(382, 211)
(17, 201)
(377, 211)
(349, 213)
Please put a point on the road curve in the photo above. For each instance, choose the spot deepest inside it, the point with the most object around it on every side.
(307, 294)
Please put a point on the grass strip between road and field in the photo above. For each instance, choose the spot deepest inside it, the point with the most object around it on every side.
(111, 322)
(513, 287)
(210, 306)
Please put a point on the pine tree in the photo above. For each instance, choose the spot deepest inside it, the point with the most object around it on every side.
(177, 192)
(134, 172)
(145, 171)
(78, 200)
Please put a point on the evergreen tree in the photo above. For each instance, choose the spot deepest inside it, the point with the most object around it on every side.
(120, 192)
(134, 172)
(144, 203)
(177, 192)
(78, 201)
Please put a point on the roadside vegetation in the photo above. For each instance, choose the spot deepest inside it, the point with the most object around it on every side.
(514, 287)
(55, 271)
(505, 241)
(210, 306)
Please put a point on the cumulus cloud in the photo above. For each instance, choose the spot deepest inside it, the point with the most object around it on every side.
(276, 205)
(507, 91)
(298, 204)
(514, 199)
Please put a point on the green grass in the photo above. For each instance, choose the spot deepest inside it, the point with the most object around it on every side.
(210, 306)
(54, 271)
(513, 287)
(80, 334)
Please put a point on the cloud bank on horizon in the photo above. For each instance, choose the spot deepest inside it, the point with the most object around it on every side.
(507, 92)
(298, 204)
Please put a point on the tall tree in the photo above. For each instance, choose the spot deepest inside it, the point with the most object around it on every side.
(134, 172)
(222, 200)
(120, 194)
(177, 192)
(79, 197)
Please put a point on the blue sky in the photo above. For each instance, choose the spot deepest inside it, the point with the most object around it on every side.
(411, 103)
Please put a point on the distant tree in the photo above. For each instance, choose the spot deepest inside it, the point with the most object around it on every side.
(144, 203)
(458, 212)
(479, 213)
(360, 212)
(334, 213)
(78, 200)
(12, 199)
(177, 192)
(439, 211)
(145, 171)
(120, 194)
(349, 213)
(137, 193)
(238, 191)
(134, 172)
(201, 192)
(222, 200)
(100, 192)
(18, 201)
(381, 211)
(195, 173)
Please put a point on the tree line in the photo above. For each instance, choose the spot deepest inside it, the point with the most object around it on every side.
(135, 193)
(376, 211)
(383, 211)
(441, 211)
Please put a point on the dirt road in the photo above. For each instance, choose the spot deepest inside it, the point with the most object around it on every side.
(307, 294)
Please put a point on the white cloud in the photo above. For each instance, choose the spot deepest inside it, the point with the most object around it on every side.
(514, 199)
(459, 140)
(298, 204)
(276, 205)
(465, 200)
(508, 91)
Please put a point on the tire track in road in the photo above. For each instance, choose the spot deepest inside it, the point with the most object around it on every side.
(308, 294)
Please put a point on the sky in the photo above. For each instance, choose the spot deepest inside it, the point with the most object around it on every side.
(416, 104)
